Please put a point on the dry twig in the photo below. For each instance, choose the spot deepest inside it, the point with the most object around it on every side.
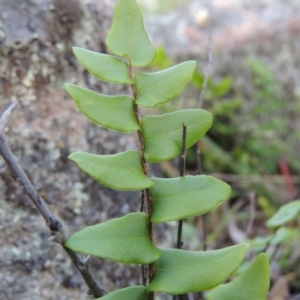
(5, 116)
(198, 154)
(56, 226)
(207, 73)
(252, 214)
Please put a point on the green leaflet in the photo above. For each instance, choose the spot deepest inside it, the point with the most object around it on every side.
(163, 134)
(104, 67)
(160, 87)
(285, 236)
(113, 112)
(181, 271)
(127, 36)
(259, 243)
(124, 240)
(122, 171)
(251, 284)
(286, 213)
(183, 197)
(130, 293)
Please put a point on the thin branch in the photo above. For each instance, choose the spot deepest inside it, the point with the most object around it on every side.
(57, 227)
(183, 152)
(22, 179)
(275, 251)
(198, 153)
(207, 72)
(144, 275)
(182, 162)
(182, 172)
(142, 201)
(252, 214)
(5, 116)
(204, 232)
(143, 267)
(83, 267)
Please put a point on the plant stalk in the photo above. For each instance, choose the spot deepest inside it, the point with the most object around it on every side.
(199, 164)
(182, 163)
(57, 227)
(147, 274)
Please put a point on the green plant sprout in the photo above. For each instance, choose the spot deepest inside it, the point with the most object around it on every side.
(129, 239)
(282, 233)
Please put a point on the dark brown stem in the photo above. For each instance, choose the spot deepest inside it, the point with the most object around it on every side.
(182, 161)
(204, 234)
(182, 173)
(199, 163)
(147, 197)
(56, 226)
(207, 73)
(144, 276)
(142, 201)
